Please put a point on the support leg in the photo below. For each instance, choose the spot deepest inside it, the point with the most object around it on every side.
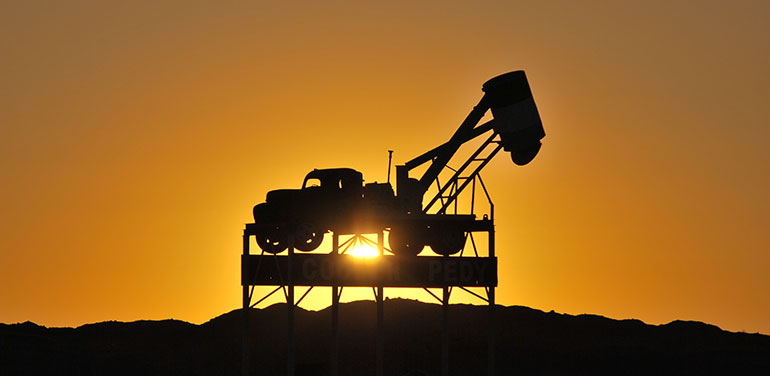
(380, 333)
(246, 303)
(380, 315)
(290, 305)
(333, 356)
(491, 298)
(491, 346)
(445, 332)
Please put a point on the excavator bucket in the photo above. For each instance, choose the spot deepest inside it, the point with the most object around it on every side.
(516, 117)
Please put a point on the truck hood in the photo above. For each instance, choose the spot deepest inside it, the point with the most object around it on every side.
(281, 195)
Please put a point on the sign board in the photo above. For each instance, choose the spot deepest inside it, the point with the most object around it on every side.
(387, 271)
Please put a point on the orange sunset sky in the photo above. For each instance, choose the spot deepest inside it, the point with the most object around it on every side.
(135, 137)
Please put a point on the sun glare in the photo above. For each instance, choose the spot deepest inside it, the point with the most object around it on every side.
(363, 249)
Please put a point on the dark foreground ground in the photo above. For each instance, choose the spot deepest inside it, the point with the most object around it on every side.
(529, 342)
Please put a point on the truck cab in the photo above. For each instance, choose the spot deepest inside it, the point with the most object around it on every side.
(340, 182)
(328, 198)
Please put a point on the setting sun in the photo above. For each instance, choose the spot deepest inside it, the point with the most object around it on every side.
(363, 247)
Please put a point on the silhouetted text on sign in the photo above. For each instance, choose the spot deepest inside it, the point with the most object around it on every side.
(387, 271)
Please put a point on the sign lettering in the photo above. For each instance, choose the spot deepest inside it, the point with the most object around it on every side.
(388, 271)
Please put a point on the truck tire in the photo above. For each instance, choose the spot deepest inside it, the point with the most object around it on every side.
(307, 237)
(272, 241)
(447, 241)
(405, 242)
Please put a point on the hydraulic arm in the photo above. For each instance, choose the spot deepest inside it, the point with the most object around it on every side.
(515, 119)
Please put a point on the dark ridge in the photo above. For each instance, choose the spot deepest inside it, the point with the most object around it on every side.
(529, 341)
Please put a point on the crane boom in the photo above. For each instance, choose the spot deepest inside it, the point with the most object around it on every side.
(516, 120)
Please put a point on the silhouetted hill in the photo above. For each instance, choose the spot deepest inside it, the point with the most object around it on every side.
(528, 342)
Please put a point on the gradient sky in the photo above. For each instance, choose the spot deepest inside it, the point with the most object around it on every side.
(135, 137)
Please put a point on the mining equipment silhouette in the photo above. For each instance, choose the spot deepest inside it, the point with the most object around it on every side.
(422, 212)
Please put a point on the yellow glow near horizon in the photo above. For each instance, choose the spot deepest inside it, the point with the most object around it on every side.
(363, 249)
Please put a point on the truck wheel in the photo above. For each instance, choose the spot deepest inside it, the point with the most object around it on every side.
(307, 237)
(447, 242)
(272, 241)
(404, 242)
